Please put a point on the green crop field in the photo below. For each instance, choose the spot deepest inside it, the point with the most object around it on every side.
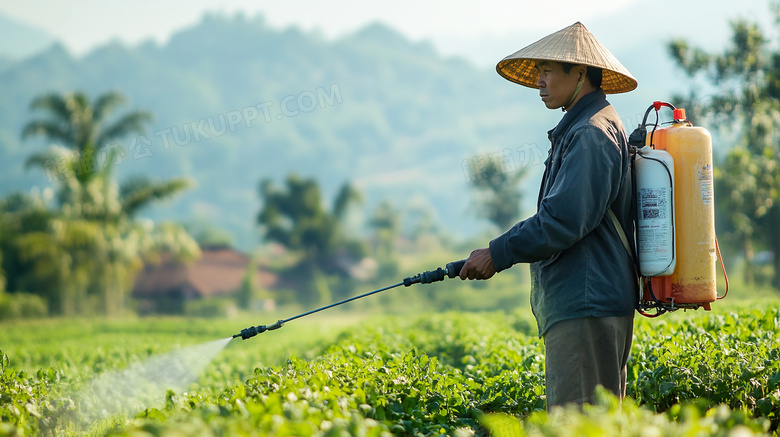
(334, 374)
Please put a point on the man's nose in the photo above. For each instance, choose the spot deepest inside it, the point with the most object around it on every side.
(540, 83)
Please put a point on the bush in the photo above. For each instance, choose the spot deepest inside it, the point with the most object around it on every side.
(22, 305)
(210, 307)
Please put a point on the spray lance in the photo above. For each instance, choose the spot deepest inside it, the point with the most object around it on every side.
(451, 270)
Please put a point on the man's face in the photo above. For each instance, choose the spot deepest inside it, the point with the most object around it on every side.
(555, 86)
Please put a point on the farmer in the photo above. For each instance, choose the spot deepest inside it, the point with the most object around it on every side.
(584, 289)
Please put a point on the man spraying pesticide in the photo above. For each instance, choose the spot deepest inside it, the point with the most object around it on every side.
(584, 288)
(587, 275)
(584, 273)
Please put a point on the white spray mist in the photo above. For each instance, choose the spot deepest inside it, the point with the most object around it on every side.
(144, 384)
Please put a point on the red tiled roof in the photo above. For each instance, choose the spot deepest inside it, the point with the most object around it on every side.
(217, 272)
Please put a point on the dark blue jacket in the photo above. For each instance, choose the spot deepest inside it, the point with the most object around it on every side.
(579, 266)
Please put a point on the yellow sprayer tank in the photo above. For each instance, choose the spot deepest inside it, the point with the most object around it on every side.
(693, 280)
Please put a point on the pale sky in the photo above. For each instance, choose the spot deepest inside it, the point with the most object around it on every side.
(90, 22)
(452, 25)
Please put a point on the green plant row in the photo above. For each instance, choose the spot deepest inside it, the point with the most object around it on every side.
(731, 359)
(439, 374)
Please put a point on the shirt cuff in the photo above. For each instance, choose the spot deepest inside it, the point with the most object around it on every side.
(502, 260)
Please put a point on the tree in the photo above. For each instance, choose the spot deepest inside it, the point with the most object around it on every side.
(89, 247)
(498, 194)
(82, 130)
(294, 216)
(76, 124)
(209, 235)
(246, 293)
(386, 223)
(2, 275)
(82, 257)
(747, 77)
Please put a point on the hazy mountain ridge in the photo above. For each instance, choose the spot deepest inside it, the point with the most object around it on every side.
(387, 109)
(19, 40)
(236, 101)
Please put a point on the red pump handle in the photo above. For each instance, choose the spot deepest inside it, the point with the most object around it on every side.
(657, 105)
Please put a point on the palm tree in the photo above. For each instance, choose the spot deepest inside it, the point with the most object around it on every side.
(295, 217)
(137, 192)
(93, 246)
(75, 123)
(78, 125)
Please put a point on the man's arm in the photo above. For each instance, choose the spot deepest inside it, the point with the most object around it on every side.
(584, 187)
(586, 184)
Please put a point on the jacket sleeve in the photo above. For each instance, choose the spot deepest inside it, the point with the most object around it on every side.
(585, 185)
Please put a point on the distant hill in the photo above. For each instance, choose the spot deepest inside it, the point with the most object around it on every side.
(237, 101)
(19, 40)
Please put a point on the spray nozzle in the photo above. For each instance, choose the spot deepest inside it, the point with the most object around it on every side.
(254, 330)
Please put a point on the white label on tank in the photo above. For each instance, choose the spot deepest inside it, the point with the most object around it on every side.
(705, 177)
(652, 241)
(653, 203)
(653, 232)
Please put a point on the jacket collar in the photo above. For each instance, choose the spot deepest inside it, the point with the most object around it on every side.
(572, 115)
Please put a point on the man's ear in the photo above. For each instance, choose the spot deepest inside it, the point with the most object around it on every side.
(582, 71)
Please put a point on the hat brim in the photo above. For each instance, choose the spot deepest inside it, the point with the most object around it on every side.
(574, 45)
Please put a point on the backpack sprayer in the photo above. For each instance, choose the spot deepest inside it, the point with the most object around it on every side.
(451, 270)
(676, 243)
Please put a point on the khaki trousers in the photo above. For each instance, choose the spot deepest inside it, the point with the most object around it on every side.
(583, 353)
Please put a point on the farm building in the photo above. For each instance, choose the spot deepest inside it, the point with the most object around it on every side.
(167, 287)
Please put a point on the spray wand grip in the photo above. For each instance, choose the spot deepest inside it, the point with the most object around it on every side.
(451, 270)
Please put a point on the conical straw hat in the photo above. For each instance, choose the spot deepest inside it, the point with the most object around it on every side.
(573, 44)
